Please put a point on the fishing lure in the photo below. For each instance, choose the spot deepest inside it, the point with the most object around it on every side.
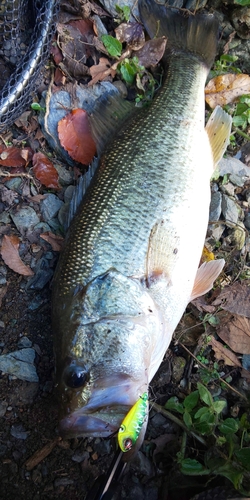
(132, 423)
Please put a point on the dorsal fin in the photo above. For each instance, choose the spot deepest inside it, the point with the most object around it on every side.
(108, 117)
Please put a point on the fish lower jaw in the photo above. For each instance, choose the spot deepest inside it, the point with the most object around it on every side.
(102, 423)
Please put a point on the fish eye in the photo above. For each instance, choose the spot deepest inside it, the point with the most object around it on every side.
(75, 377)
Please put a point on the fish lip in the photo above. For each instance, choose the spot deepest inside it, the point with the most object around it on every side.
(104, 412)
(78, 424)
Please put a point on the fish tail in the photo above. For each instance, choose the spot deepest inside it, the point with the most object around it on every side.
(197, 34)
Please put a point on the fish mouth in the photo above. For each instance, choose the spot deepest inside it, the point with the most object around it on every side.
(104, 412)
(103, 423)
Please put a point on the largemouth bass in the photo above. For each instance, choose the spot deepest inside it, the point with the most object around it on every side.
(129, 266)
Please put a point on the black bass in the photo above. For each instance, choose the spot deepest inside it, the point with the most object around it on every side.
(129, 266)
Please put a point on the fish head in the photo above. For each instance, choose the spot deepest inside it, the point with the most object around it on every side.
(104, 361)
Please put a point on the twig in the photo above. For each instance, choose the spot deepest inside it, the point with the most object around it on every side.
(206, 368)
(177, 421)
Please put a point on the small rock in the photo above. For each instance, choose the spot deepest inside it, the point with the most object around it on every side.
(79, 456)
(66, 177)
(233, 166)
(142, 464)
(20, 364)
(215, 206)
(63, 481)
(3, 408)
(18, 432)
(228, 188)
(247, 221)
(178, 366)
(230, 209)
(43, 274)
(3, 274)
(63, 215)
(5, 218)
(216, 231)
(239, 236)
(68, 193)
(25, 218)
(24, 342)
(14, 184)
(50, 206)
(237, 180)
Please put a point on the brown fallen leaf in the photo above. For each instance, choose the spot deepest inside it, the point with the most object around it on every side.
(41, 454)
(10, 255)
(54, 240)
(15, 157)
(45, 171)
(101, 71)
(132, 34)
(234, 330)
(224, 89)
(221, 352)
(235, 298)
(75, 136)
(151, 52)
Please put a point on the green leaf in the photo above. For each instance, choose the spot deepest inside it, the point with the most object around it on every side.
(230, 473)
(240, 120)
(219, 406)
(242, 2)
(192, 467)
(174, 405)
(228, 58)
(203, 427)
(243, 456)
(191, 400)
(124, 12)
(202, 411)
(187, 419)
(128, 71)
(113, 46)
(205, 395)
(229, 426)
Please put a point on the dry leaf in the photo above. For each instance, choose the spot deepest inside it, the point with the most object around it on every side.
(10, 255)
(132, 34)
(224, 89)
(15, 157)
(54, 240)
(101, 71)
(235, 332)
(75, 136)
(221, 352)
(235, 298)
(45, 171)
(151, 52)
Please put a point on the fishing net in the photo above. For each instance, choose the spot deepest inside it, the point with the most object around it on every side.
(26, 29)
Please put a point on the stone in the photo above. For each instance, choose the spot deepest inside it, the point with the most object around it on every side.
(215, 206)
(50, 206)
(230, 209)
(24, 218)
(20, 364)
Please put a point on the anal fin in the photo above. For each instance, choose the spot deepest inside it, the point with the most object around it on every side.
(205, 277)
(218, 129)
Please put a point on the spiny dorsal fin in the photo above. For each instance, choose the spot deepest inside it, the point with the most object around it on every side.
(218, 129)
(205, 277)
(108, 117)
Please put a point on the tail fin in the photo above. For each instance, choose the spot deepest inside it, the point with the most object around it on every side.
(197, 34)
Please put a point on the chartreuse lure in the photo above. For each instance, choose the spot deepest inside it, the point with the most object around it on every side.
(132, 423)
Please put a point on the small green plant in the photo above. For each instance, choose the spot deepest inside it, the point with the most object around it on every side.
(227, 439)
(241, 116)
(225, 65)
(123, 13)
(112, 45)
(36, 107)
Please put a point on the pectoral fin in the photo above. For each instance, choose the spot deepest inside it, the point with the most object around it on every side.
(205, 277)
(218, 129)
(162, 252)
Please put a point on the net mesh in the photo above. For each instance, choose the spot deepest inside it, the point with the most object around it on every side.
(26, 29)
